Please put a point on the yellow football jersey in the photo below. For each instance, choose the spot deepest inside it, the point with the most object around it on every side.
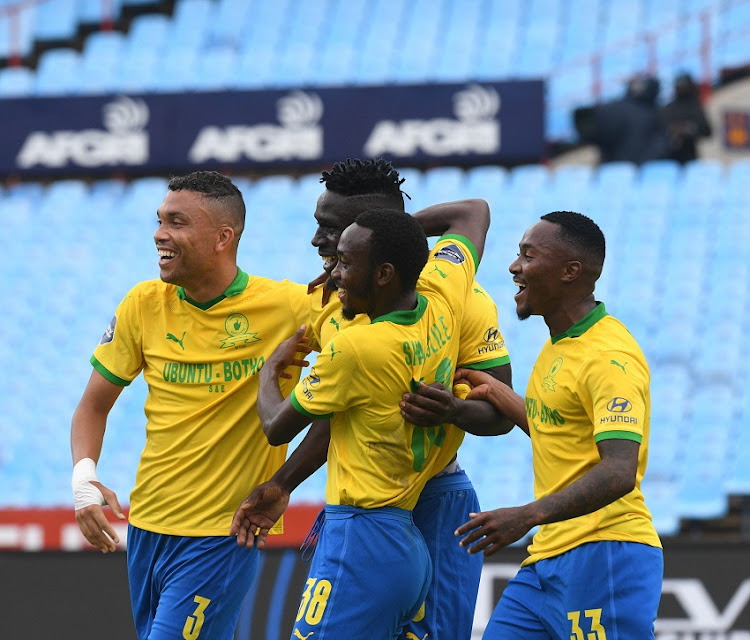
(481, 346)
(589, 384)
(376, 458)
(205, 449)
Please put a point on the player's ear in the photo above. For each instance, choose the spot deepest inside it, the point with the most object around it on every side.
(225, 238)
(572, 270)
(384, 273)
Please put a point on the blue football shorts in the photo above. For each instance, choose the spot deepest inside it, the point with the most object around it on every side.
(599, 590)
(444, 505)
(187, 587)
(369, 575)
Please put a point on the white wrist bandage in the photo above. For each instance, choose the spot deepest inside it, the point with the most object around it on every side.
(85, 493)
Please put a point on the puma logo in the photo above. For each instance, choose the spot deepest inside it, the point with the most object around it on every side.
(334, 323)
(411, 636)
(617, 364)
(297, 634)
(444, 276)
(333, 353)
(171, 336)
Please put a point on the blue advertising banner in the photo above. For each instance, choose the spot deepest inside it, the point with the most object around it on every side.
(476, 123)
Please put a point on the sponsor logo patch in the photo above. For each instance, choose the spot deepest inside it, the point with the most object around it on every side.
(109, 334)
(451, 253)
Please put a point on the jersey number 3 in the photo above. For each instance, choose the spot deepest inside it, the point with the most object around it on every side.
(194, 623)
(314, 601)
(597, 629)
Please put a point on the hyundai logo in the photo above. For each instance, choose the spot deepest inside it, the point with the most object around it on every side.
(619, 405)
(491, 334)
(313, 378)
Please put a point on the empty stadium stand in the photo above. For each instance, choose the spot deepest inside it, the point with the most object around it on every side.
(586, 49)
(72, 248)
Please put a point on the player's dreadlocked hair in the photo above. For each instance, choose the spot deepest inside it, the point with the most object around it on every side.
(217, 187)
(372, 177)
(581, 232)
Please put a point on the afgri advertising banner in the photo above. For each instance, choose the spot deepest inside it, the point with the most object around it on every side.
(472, 123)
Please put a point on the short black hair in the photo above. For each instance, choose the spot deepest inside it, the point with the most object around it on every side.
(374, 178)
(399, 239)
(216, 186)
(582, 233)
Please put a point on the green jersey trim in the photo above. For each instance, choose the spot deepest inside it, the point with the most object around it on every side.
(618, 435)
(305, 412)
(584, 324)
(107, 374)
(405, 317)
(486, 364)
(469, 245)
(237, 285)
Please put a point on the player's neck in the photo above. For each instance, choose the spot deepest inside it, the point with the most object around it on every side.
(399, 302)
(569, 313)
(212, 285)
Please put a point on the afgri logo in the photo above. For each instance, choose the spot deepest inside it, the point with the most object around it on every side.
(298, 136)
(123, 141)
(475, 129)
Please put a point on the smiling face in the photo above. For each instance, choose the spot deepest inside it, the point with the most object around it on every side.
(333, 213)
(187, 237)
(539, 269)
(353, 273)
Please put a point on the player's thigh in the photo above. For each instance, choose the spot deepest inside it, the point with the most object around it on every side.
(604, 590)
(203, 589)
(365, 580)
(518, 613)
(448, 612)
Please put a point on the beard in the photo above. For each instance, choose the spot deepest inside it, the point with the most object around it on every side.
(524, 313)
(365, 293)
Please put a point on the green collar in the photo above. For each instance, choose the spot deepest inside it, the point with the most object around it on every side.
(237, 285)
(584, 324)
(405, 317)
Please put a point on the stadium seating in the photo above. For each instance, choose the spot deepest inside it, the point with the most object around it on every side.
(671, 275)
(586, 49)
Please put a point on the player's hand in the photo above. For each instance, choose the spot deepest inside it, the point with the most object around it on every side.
(431, 405)
(94, 524)
(286, 354)
(258, 513)
(493, 530)
(479, 382)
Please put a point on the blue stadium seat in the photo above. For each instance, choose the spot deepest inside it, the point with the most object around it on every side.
(56, 20)
(215, 70)
(58, 72)
(98, 12)
(16, 82)
(148, 32)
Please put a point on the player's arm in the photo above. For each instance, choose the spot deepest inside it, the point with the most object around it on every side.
(87, 434)
(469, 218)
(608, 480)
(490, 408)
(268, 501)
(278, 417)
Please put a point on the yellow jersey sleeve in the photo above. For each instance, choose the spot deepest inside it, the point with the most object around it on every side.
(449, 272)
(615, 386)
(481, 345)
(119, 354)
(334, 383)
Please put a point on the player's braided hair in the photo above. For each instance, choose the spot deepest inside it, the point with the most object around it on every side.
(213, 184)
(581, 232)
(374, 176)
